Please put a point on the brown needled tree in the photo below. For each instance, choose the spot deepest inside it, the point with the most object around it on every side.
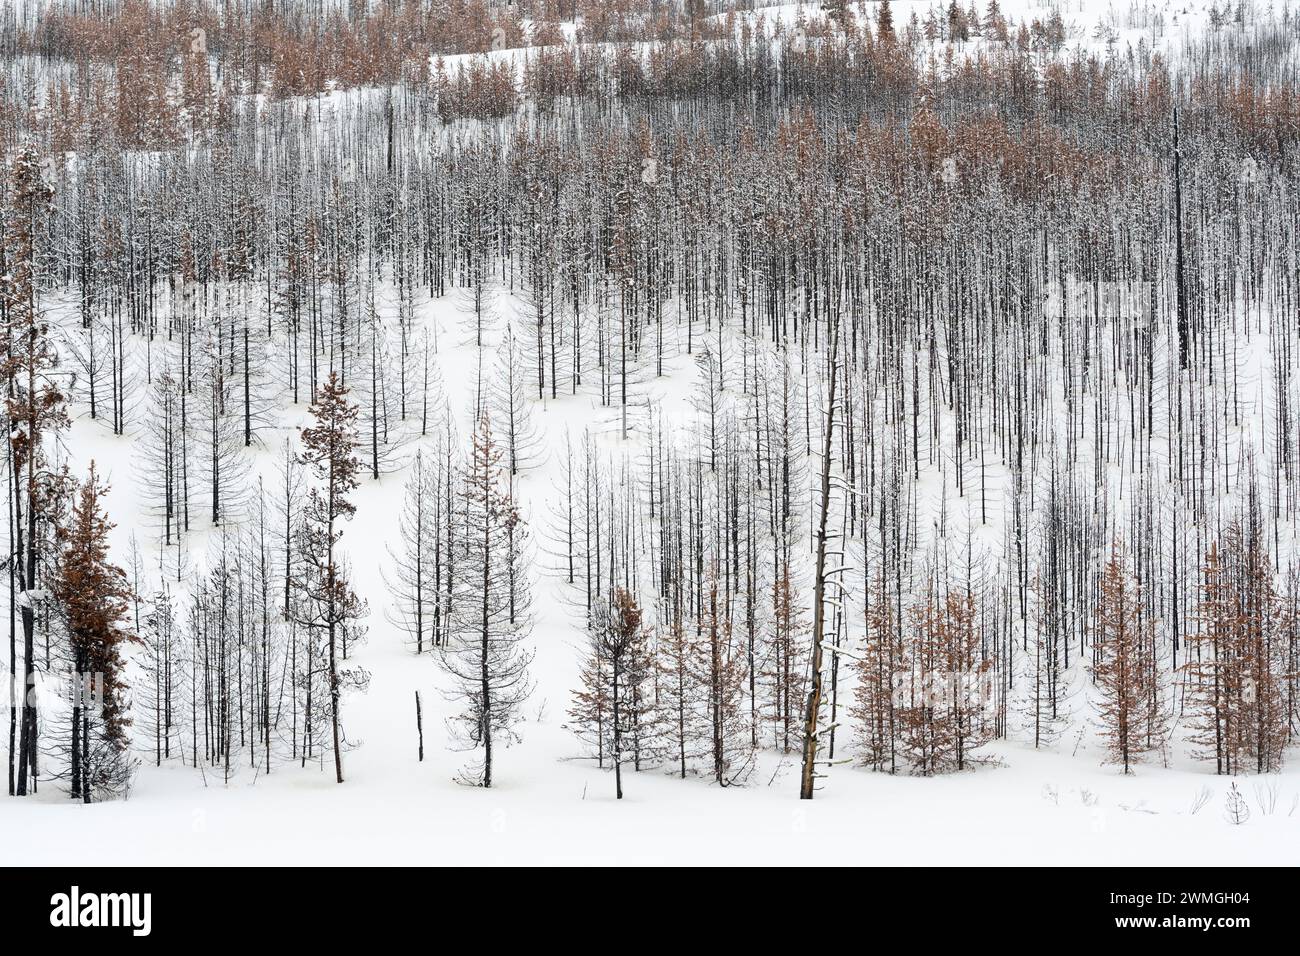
(1125, 669)
(1239, 668)
(328, 602)
(719, 670)
(878, 672)
(35, 405)
(786, 666)
(95, 599)
(610, 707)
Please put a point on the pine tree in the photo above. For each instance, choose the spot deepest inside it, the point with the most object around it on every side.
(995, 23)
(925, 733)
(1239, 670)
(35, 405)
(786, 663)
(589, 713)
(418, 567)
(958, 28)
(327, 599)
(1125, 672)
(940, 702)
(486, 657)
(885, 23)
(94, 598)
(511, 408)
(968, 691)
(718, 669)
(678, 695)
(879, 672)
(611, 709)
(162, 668)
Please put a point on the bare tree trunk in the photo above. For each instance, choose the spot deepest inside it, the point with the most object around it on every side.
(808, 774)
(419, 725)
(1179, 270)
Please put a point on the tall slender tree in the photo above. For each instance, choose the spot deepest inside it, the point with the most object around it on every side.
(35, 405)
(487, 658)
(328, 601)
(94, 598)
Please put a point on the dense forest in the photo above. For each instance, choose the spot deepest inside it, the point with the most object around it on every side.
(857, 384)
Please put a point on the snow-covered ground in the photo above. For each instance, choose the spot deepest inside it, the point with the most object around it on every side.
(1042, 809)
(549, 806)
(1098, 27)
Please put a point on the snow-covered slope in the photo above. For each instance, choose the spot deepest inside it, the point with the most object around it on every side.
(549, 806)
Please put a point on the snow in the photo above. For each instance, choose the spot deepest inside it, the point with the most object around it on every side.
(1164, 25)
(1039, 810)
(550, 806)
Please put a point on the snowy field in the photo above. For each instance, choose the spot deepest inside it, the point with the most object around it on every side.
(549, 806)
(396, 811)
(549, 802)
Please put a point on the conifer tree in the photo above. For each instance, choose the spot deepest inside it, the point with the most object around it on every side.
(486, 656)
(328, 602)
(718, 668)
(162, 667)
(879, 672)
(35, 405)
(885, 23)
(418, 566)
(1125, 671)
(1240, 667)
(512, 409)
(786, 664)
(610, 710)
(678, 695)
(940, 705)
(94, 598)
